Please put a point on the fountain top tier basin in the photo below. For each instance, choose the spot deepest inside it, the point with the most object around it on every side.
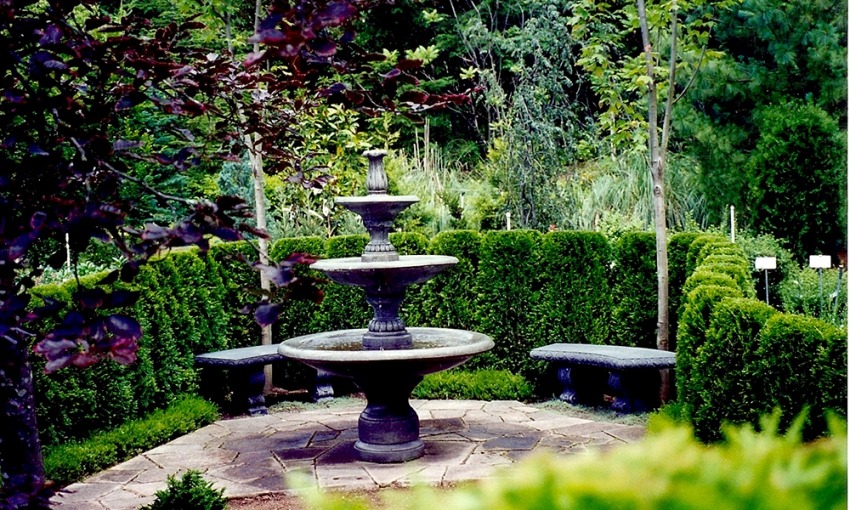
(342, 353)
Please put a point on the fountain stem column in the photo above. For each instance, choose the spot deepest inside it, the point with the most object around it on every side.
(386, 329)
(388, 429)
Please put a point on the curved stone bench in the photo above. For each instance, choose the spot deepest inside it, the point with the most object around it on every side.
(246, 364)
(630, 374)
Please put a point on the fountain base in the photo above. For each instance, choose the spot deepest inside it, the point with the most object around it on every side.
(388, 429)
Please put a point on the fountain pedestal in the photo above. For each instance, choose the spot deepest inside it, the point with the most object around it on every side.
(388, 428)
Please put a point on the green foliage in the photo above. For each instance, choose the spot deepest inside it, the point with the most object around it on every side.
(238, 280)
(802, 365)
(474, 385)
(750, 470)
(574, 264)
(452, 298)
(694, 320)
(507, 274)
(190, 492)
(708, 276)
(71, 462)
(634, 290)
(725, 384)
(695, 249)
(800, 293)
(797, 174)
(677, 262)
(342, 307)
(765, 245)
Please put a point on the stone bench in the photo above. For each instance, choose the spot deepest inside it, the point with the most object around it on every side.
(630, 374)
(249, 379)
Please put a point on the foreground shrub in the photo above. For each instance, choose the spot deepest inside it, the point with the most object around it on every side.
(190, 492)
(71, 462)
(475, 385)
(669, 469)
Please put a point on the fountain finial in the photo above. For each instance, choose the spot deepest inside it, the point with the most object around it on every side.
(376, 177)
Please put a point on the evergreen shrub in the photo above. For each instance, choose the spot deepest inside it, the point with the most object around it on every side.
(189, 492)
(411, 243)
(474, 385)
(725, 384)
(693, 324)
(451, 297)
(634, 291)
(71, 462)
(574, 300)
(343, 307)
(802, 364)
(695, 249)
(677, 271)
(507, 279)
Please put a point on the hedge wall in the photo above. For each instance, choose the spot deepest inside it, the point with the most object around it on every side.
(523, 288)
(738, 358)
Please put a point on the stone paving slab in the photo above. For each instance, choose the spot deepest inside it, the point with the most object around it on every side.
(464, 440)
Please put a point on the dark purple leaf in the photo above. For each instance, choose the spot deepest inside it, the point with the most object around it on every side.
(271, 36)
(129, 271)
(123, 145)
(109, 279)
(91, 298)
(14, 96)
(301, 258)
(413, 96)
(393, 73)
(267, 314)
(336, 88)
(323, 48)
(35, 150)
(122, 298)
(253, 58)
(336, 13)
(408, 64)
(124, 327)
(51, 35)
(130, 100)
(154, 232)
(37, 220)
(123, 351)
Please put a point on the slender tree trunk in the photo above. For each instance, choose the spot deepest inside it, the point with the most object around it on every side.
(656, 163)
(20, 449)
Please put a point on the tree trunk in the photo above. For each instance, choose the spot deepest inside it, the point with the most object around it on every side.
(657, 153)
(20, 449)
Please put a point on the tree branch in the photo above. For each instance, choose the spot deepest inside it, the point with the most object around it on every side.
(671, 80)
(693, 76)
(148, 188)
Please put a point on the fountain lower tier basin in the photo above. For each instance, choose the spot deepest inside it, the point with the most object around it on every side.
(405, 271)
(388, 428)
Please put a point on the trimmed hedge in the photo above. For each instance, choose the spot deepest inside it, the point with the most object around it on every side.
(506, 280)
(71, 462)
(677, 270)
(724, 378)
(634, 317)
(451, 298)
(474, 385)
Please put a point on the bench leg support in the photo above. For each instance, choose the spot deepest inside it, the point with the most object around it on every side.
(635, 391)
(582, 385)
(251, 394)
(323, 390)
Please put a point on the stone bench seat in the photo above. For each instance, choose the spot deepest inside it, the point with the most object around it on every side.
(247, 364)
(630, 374)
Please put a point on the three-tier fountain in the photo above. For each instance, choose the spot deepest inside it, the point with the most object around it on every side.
(386, 360)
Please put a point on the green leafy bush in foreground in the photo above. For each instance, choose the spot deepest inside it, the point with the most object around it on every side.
(190, 492)
(70, 462)
(475, 385)
(667, 470)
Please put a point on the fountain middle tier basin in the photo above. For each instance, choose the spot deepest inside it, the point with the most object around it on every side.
(407, 270)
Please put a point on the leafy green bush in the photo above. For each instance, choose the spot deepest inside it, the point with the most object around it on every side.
(677, 271)
(190, 492)
(695, 249)
(706, 276)
(70, 462)
(736, 271)
(724, 382)
(802, 364)
(668, 469)
(474, 385)
(634, 290)
(768, 246)
(343, 307)
(411, 243)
